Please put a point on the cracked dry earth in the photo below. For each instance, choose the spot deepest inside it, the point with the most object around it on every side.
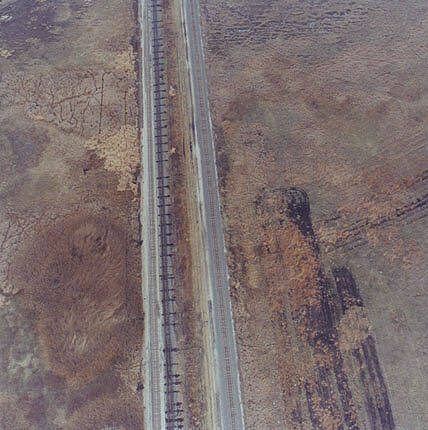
(319, 109)
(70, 304)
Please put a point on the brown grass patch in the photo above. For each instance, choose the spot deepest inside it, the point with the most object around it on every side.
(13, 415)
(353, 329)
(120, 151)
(107, 413)
(302, 268)
(290, 253)
(74, 280)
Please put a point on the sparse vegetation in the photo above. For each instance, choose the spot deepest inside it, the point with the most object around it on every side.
(302, 95)
(70, 273)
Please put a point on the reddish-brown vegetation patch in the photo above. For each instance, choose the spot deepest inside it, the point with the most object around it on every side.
(73, 280)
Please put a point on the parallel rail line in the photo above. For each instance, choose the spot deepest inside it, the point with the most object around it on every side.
(162, 406)
(229, 411)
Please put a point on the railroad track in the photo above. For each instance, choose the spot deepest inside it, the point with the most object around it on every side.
(161, 400)
(161, 394)
(229, 410)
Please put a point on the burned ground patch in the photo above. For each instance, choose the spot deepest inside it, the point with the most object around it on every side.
(74, 282)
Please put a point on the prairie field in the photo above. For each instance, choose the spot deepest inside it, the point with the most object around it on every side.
(70, 283)
(319, 109)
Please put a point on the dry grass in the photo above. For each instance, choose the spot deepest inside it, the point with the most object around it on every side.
(14, 416)
(353, 329)
(304, 96)
(120, 151)
(302, 267)
(107, 413)
(74, 279)
(70, 275)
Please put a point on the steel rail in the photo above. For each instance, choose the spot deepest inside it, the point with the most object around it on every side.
(161, 404)
(229, 412)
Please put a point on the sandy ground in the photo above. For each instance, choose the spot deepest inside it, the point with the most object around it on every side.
(70, 313)
(329, 98)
